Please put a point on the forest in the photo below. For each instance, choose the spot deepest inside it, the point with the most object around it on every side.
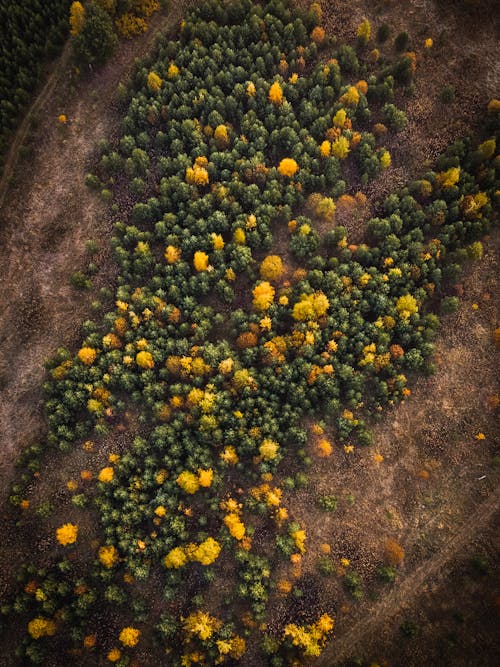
(273, 301)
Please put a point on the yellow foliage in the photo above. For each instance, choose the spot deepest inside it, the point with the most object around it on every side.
(200, 261)
(325, 448)
(276, 93)
(288, 167)
(235, 526)
(172, 71)
(311, 306)
(221, 136)
(87, 355)
(188, 481)
(207, 552)
(229, 455)
(239, 236)
(145, 359)
(114, 655)
(106, 474)
(217, 241)
(251, 89)
(128, 25)
(41, 627)
(60, 371)
(385, 160)
(299, 537)
(406, 305)
(205, 477)
(76, 18)
(364, 31)
(108, 556)
(197, 175)
(268, 450)
(340, 118)
(487, 149)
(325, 208)
(67, 534)
(201, 624)
(447, 179)
(175, 558)
(263, 295)
(154, 82)
(310, 639)
(325, 148)
(172, 254)
(129, 636)
(493, 106)
(340, 148)
(271, 267)
(315, 8)
(226, 366)
(145, 7)
(351, 97)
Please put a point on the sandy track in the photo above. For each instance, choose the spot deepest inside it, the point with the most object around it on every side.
(404, 592)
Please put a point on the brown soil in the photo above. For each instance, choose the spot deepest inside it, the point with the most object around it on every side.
(434, 492)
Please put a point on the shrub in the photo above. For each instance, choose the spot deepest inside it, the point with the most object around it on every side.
(383, 33)
(328, 503)
(447, 95)
(393, 553)
(401, 41)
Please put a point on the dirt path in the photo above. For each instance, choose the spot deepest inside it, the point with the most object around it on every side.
(22, 132)
(45, 221)
(402, 594)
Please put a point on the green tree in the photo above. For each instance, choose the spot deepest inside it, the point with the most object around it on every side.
(97, 40)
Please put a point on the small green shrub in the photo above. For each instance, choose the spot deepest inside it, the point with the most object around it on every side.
(383, 33)
(327, 503)
(447, 95)
(401, 41)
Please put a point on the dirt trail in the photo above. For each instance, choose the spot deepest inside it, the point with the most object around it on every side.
(23, 130)
(44, 223)
(402, 594)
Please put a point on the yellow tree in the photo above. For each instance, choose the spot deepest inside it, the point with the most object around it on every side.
(76, 18)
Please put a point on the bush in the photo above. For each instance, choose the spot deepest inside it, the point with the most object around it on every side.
(447, 95)
(449, 304)
(80, 280)
(328, 503)
(383, 33)
(401, 41)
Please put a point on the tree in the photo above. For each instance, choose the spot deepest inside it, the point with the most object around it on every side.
(96, 41)
(76, 18)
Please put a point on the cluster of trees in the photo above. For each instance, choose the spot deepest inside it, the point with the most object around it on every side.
(31, 33)
(218, 347)
(97, 24)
